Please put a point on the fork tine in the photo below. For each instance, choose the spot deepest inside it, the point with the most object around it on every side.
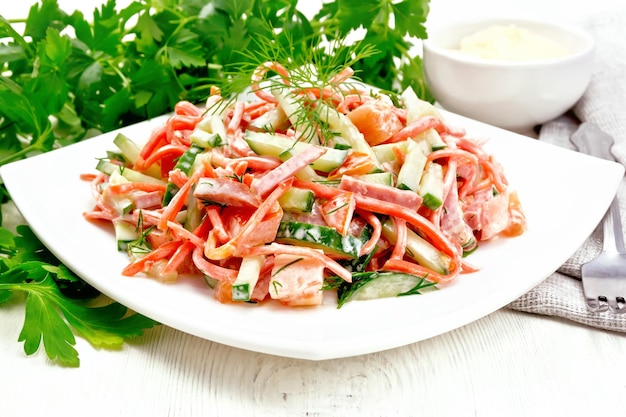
(601, 303)
(604, 282)
(618, 305)
(597, 304)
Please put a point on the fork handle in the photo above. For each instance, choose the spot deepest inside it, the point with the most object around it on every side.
(612, 229)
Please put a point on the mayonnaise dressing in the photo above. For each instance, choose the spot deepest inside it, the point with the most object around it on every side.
(510, 42)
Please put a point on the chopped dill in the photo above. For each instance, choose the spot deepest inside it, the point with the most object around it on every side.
(287, 265)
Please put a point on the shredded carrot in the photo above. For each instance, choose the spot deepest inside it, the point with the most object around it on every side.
(180, 232)
(186, 108)
(88, 177)
(417, 127)
(157, 138)
(180, 122)
(276, 248)
(127, 187)
(419, 222)
(258, 77)
(213, 215)
(400, 265)
(401, 238)
(210, 269)
(399, 154)
(235, 244)
(235, 120)
(141, 264)
(373, 221)
(178, 201)
(178, 258)
(173, 151)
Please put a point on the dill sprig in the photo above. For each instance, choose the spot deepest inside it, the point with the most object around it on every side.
(312, 77)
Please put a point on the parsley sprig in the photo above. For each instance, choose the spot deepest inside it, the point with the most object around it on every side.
(53, 311)
(66, 77)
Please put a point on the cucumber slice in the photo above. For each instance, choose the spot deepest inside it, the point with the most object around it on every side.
(383, 178)
(131, 150)
(372, 285)
(434, 140)
(298, 200)
(247, 277)
(411, 171)
(319, 237)
(184, 163)
(209, 132)
(340, 123)
(125, 234)
(272, 145)
(271, 121)
(194, 213)
(205, 139)
(417, 108)
(337, 142)
(116, 156)
(306, 173)
(199, 161)
(122, 204)
(109, 168)
(385, 152)
(419, 249)
(266, 144)
(361, 263)
(210, 281)
(431, 186)
(291, 106)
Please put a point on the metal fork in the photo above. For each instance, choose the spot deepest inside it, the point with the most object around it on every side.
(604, 278)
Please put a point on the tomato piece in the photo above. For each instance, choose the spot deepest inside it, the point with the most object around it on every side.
(376, 120)
(297, 281)
(338, 211)
(356, 163)
(517, 218)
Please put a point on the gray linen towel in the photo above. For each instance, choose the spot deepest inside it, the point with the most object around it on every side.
(604, 103)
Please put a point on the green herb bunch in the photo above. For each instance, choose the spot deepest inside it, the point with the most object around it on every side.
(122, 66)
(66, 77)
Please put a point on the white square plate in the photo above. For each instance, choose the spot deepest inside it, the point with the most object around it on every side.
(563, 193)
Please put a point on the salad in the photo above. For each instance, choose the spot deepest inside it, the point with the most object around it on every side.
(301, 189)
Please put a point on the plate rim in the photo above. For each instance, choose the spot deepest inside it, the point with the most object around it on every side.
(329, 348)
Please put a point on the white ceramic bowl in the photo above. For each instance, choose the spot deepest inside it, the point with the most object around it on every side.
(515, 95)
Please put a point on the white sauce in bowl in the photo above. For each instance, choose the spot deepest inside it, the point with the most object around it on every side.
(511, 43)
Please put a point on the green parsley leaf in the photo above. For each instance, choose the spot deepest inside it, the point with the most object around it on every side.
(52, 317)
(41, 18)
(410, 17)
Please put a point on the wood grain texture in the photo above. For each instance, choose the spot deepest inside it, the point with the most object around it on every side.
(508, 363)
